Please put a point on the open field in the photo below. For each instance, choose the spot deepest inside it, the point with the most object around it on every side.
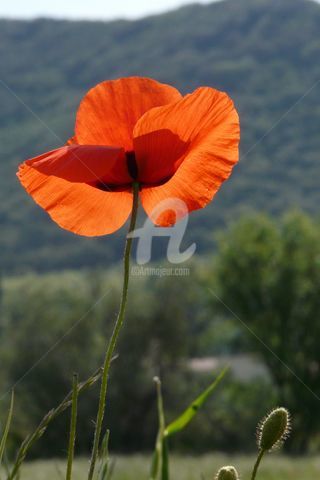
(135, 467)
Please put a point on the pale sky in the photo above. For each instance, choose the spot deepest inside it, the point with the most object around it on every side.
(88, 9)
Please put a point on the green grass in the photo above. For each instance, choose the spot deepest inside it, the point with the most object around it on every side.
(136, 467)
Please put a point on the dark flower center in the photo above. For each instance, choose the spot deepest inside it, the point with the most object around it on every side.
(132, 164)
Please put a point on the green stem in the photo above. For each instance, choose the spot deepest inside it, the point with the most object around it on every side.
(256, 466)
(115, 335)
(29, 441)
(73, 426)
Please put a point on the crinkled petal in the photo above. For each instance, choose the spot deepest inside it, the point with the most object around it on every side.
(110, 110)
(202, 135)
(63, 182)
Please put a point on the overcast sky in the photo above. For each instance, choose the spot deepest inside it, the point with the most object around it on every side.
(88, 9)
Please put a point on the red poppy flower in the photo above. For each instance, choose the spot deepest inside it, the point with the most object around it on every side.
(136, 130)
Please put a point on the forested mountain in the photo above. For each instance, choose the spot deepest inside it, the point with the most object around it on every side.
(264, 53)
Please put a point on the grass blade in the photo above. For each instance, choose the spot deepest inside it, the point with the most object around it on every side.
(183, 420)
(73, 426)
(165, 459)
(103, 472)
(155, 464)
(111, 469)
(6, 428)
(160, 457)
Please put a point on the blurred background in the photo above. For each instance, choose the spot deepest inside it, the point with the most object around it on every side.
(252, 296)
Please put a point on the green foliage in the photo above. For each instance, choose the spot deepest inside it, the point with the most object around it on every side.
(226, 424)
(47, 320)
(39, 310)
(264, 53)
(160, 461)
(6, 429)
(42, 335)
(106, 466)
(269, 276)
(185, 418)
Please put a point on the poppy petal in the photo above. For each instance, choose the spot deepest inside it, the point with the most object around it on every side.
(110, 110)
(203, 132)
(85, 163)
(69, 195)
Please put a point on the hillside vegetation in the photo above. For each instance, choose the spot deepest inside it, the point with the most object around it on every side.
(264, 53)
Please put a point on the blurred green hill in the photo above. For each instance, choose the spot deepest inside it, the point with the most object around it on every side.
(264, 53)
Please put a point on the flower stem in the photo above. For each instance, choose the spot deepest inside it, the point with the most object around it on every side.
(256, 466)
(115, 335)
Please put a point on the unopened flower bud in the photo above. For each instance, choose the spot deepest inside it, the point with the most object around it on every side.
(227, 473)
(274, 429)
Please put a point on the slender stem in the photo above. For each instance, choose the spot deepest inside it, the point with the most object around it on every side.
(115, 335)
(157, 456)
(256, 466)
(73, 426)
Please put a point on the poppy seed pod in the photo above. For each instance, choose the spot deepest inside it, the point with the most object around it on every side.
(274, 429)
(227, 473)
